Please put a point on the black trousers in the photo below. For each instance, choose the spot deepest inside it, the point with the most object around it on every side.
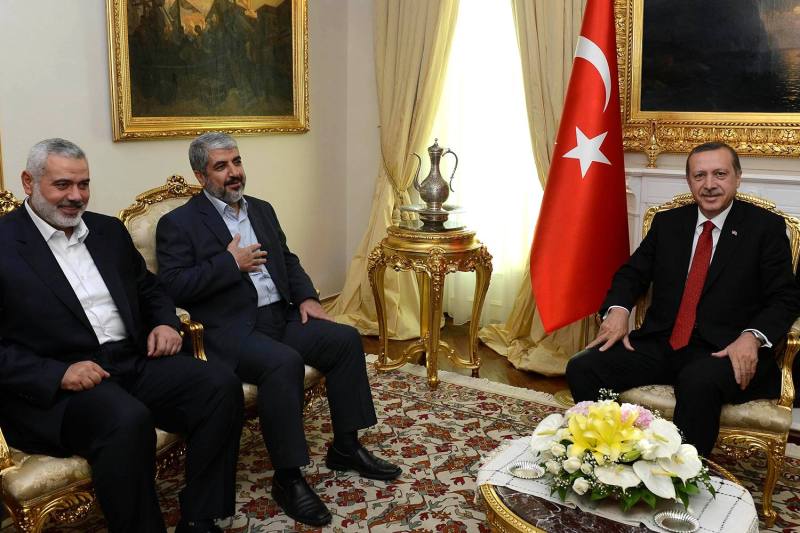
(272, 357)
(113, 426)
(702, 382)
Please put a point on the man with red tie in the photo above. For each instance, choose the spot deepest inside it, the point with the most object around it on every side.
(724, 294)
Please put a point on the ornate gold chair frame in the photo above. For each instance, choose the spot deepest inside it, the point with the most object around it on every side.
(757, 426)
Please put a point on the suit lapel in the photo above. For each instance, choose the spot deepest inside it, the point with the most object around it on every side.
(726, 245)
(685, 237)
(211, 218)
(259, 223)
(33, 248)
(104, 260)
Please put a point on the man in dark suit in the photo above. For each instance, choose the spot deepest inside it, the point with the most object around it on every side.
(223, 256)
(87, 355)
(713, 320)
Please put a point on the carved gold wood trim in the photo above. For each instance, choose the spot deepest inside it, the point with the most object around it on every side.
(176, 187)
(656, 132)
(127, 127)
(8, 202)
(502, 519)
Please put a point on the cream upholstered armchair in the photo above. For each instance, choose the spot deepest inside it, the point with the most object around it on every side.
(141, 219)
(748, 428)
(37, 488)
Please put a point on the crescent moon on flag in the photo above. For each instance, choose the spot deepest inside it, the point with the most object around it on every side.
(592, 53)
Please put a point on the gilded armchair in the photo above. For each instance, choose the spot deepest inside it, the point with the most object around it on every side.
(141, 219)
(37, 488)
(756, 426)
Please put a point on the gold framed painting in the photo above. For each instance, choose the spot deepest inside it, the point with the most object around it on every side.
(182, 67)
(716, 70)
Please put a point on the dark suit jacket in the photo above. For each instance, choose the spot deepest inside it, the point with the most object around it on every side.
(43, 328)
(750, 282)
(202, 276)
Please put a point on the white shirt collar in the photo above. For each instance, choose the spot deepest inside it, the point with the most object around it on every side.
(221, 206)
(718, 220)
(79, 234)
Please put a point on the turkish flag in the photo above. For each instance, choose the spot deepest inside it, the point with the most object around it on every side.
(581, 237)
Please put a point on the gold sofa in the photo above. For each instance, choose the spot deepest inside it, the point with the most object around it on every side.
(748, 428)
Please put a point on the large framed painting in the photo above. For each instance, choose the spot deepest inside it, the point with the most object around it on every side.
(182, 67)
(722, 70)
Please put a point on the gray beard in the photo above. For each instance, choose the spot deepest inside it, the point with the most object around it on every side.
(50, 213)
(229, 197)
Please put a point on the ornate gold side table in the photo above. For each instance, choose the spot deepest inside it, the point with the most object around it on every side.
(431, 255)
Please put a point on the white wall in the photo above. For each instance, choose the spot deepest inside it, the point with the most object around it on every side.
(54, 82)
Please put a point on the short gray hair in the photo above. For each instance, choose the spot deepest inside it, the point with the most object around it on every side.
(213, 140)
(37, 157)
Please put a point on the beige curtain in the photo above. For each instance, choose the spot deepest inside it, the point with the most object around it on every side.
(547, 32)
(412, 42)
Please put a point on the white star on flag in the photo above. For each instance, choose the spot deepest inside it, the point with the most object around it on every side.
(588, 151)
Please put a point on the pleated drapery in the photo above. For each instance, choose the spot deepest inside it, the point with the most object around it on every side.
(547, 32)
(412, 43)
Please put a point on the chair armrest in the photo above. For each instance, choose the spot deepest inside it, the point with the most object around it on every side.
(5, 454)
(787, 360)
(194, 330)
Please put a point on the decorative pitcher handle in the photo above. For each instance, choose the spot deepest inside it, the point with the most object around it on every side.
(416, 176)
(453, 175)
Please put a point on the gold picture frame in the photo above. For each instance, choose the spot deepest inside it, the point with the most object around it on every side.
(655, 131)
(239, 66)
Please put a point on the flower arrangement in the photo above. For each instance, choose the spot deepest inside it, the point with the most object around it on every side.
(623, 451)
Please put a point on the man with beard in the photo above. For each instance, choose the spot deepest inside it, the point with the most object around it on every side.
(88, 364)
(723, 293)
(223, 256)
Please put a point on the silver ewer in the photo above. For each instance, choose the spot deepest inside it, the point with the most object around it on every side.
(434, 190)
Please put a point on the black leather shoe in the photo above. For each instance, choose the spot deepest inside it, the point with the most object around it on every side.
(363, 462)
(198, 526)
(300, 502)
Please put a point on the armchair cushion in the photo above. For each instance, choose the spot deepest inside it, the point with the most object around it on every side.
(35, 476)
(765, 415)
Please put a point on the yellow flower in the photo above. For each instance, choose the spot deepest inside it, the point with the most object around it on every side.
(603, 432)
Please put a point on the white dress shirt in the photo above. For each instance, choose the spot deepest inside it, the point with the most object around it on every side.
(78, 266)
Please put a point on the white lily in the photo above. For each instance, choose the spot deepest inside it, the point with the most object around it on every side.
(545, 433)
(685, 464)
(661, 440)
(618, 475)
(655, 478)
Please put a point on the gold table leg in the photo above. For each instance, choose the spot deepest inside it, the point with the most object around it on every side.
(376, 269)
(434, 284)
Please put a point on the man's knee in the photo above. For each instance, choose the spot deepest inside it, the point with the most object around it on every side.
(130, 424)
(580, 375)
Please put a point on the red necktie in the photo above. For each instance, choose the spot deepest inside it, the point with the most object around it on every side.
(684, 321)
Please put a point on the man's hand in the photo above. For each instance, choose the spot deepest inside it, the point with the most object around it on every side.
(743, 353)
(83, 375)
(250, 258)
(163, 340)
(312, 308)
(613, 328)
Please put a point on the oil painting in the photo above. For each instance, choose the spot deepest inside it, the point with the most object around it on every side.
(180, 67)
(722, 70)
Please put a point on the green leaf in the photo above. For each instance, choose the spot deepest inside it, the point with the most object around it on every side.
(691, 489)
(649, 498)
(562, 493)
(598, 494)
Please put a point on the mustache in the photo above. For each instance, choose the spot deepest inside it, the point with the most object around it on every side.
(78, 204)
(233, 181)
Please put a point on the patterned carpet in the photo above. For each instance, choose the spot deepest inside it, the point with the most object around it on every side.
(439, 438)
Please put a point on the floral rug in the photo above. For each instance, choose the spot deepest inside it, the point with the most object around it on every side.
(439, 438)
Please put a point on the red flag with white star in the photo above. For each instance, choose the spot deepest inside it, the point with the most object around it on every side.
(581, 236)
